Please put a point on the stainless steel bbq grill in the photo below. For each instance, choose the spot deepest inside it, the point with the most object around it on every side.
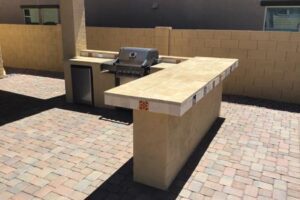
(132, 63)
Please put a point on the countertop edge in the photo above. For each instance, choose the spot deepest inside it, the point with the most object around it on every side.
(167, 107)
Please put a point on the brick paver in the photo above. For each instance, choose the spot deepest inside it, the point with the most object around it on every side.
(72, 152)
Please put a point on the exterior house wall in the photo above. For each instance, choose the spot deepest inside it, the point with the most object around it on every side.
(195, 14)
(11, 12)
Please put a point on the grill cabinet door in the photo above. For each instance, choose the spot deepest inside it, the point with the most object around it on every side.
(82, 85)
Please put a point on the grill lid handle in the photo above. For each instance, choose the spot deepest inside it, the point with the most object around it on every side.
(132, 55)
(144, 65)
(116, 61)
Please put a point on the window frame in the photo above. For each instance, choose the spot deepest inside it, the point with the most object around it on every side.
(266, 8)
(40, 8)
(29, 16)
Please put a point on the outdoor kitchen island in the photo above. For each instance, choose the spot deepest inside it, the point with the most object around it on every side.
(173, 109)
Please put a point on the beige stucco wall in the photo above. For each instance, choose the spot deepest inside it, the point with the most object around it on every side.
(32, 46)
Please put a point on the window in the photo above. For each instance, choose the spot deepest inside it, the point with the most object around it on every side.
(48, 15)
(282, 18)
(32, 16)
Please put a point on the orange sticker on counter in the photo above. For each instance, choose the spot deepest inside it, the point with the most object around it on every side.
(144, 105)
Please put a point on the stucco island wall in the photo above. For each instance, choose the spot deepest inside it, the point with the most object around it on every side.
(101, 80)
(163, 143)
(173, 110)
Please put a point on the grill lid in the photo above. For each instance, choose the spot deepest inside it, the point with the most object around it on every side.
(132, 61)
(139, 57)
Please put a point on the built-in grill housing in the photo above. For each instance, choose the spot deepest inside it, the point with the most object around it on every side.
(132, 62)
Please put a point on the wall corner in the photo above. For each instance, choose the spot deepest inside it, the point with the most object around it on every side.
(2, 70)
(73, 27)
(162, 39)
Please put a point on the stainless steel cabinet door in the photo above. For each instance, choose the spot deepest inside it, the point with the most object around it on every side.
(82, 85)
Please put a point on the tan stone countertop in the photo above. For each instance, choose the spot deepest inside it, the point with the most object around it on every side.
(89, 60)
(175, 89)
(92, 60)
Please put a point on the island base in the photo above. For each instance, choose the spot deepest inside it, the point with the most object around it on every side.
(163, 143)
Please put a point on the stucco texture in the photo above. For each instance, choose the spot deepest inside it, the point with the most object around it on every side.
(163, 143)
(32, 47)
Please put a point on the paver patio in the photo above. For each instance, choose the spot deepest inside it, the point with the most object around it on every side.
(52, 150)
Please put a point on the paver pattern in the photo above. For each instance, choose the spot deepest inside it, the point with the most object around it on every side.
(42, 87)
(66, 151)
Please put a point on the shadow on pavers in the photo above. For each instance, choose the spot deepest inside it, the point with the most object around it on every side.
(14, 106)
(121, 185)
(118, 115)
(10, 71)
(274, 105)
(114, 115)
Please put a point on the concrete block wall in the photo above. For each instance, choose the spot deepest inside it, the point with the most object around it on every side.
(112, 39)
(40, 47)
(162, 39)
(269, 61)
(32, 47)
